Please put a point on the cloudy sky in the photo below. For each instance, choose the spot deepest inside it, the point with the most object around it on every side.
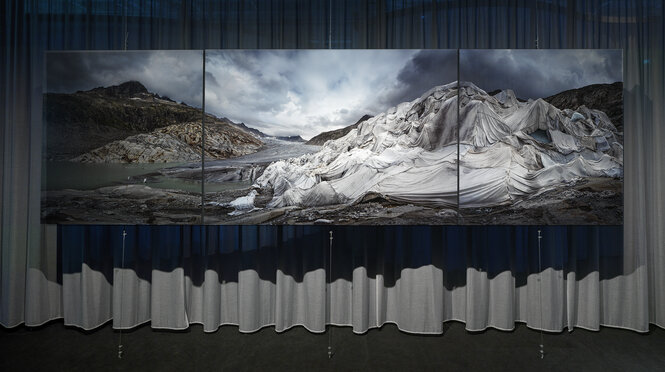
(307, 92)
(539, 73)
(174, 73)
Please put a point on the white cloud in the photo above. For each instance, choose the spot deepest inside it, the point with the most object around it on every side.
(281, 92)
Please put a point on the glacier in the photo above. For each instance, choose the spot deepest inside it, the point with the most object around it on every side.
(413, 153)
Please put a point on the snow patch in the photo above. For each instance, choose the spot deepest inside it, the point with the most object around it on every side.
(243, 204)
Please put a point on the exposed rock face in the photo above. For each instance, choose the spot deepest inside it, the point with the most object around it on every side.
(79, 122)
(139, 204)
(607, 98)
(175, 143)
(128, 124)
(141, 148)
(244, 127)
(128, 89)
(321, 138)
(225, 141)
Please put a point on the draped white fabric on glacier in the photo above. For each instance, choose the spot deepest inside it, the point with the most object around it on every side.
(415, 277)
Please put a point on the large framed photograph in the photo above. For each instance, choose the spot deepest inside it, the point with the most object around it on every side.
(347, 136)
(379, 137)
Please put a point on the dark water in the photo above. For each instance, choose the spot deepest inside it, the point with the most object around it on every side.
(62, 175)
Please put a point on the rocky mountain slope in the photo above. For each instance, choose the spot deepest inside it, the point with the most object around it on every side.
(81, 121)
(126, 123)
(607, 98)
(262, 135)
(175, 143)
(321, 138)
(244, 127)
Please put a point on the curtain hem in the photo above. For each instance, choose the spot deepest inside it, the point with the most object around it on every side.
(550, 331)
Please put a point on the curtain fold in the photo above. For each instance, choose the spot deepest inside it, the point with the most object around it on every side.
(416, 277)
(256, 276)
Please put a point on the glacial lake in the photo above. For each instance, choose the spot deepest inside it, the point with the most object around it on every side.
(62, 175)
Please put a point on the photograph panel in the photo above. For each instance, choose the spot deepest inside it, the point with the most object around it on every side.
(333, 136)
(541, 137)
(121, 129)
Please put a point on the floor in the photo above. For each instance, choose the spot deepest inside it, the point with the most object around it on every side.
(59, 348)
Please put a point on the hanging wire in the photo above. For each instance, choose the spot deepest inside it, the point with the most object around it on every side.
(329, 285)
(540, 290)
(203, 135)
(122, 282)
(459, 87)
(124, 230)
(537, 45)
(459, 90)
(540, 269)
(124, 25)
(329, 296)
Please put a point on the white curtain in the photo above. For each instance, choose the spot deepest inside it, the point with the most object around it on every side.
(39, 283)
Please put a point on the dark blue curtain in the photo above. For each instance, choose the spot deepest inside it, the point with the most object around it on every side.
(32, 27)
(382, 250)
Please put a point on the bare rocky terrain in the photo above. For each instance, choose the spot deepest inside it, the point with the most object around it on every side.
(607, 98)
(588, 202)
(136, 204)
(175, 143)
(126, 124)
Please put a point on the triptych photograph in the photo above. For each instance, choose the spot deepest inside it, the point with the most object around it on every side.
(340, 137)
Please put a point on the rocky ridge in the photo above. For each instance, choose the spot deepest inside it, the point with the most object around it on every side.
(321, 138)
(126, 124)
(175, 143)
(607, 98)
(79, 122)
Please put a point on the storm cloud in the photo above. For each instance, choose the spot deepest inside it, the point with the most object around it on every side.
(539, 73)
(177, 74)
(306, 92)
